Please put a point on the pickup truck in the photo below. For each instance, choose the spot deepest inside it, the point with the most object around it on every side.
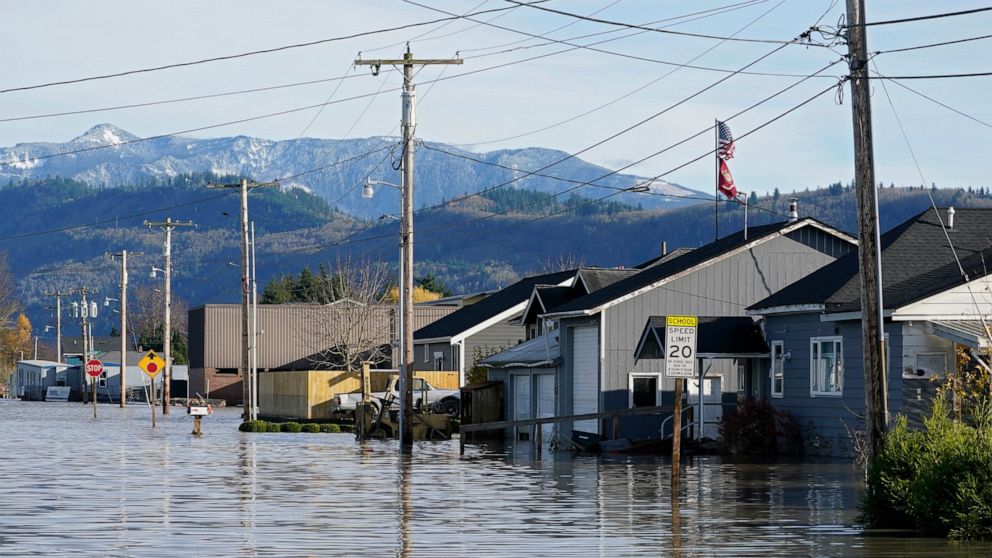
(438, 400)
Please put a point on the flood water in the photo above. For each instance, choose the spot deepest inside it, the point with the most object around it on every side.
(113, 486)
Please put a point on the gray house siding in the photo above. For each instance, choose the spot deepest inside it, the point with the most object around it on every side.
(423, 356)
(724, 288)
(827, 420)
(492, 340)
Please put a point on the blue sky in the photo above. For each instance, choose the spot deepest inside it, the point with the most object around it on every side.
(48, 40)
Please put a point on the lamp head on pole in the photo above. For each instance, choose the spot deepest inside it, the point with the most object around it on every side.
(367, 191)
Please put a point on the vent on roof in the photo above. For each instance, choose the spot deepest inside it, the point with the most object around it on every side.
(950, 218)
(793, 210)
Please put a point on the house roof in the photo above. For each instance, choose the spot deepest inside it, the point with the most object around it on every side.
(596, 278)
(717, 336)
(678, 264)
(544, 350)
(661, 259)
(492, 306)
(917, 262)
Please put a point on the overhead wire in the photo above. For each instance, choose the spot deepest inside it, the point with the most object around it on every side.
(247, 53)
(933, 205)
(934, 45)
(924, 18)
(937, 102)
(654, 29)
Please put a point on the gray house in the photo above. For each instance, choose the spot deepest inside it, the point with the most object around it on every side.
(597, 334)
(932, 307)
(493, 324)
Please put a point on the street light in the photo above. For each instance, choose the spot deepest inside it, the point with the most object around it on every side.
(153, 274)
(406, 316)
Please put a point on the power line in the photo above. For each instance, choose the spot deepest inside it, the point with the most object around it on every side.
(933, 45)
(938, 76)
(248, 53)
(658, 30)
(935, 101)
(923, 18)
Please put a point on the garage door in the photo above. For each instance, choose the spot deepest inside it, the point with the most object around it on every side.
(521, 403)
(585, 376)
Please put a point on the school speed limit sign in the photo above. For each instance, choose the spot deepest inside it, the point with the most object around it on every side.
(680, 346)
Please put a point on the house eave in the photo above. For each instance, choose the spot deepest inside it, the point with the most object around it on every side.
(786, 309)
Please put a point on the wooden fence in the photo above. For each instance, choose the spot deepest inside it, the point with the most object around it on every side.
(309, 394)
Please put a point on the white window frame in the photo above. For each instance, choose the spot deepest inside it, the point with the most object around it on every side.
(813, 341)
(630, 387)
(771, 370)
(438, 355)
(427, 352)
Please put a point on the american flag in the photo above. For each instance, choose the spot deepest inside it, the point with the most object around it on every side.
(725, 142)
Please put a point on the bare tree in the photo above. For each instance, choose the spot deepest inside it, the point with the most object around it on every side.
(564, 262)
(146, 319)
(355, 325)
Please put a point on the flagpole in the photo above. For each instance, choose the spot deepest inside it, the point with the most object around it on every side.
(745, 216)
(716, 176)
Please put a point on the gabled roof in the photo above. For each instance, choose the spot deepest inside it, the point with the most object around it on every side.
(726, 337)
(661, 259)
(596, 278)
(667, 268)
(490, 308)
(544, 297)
(917, 262)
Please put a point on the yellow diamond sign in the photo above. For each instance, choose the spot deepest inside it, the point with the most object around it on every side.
(151, 363)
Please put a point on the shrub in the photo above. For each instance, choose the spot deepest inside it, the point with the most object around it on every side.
(311, 428)
(253, 426)
(349, 428)
(757, 428)
(332, 428)
(292, 427)
(273, 427)
(938, 481)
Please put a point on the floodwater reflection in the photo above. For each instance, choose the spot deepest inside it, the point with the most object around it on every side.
(115, 487)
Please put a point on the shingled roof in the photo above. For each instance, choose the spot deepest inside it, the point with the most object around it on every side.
(917, 262)
(492, 306)
(669, 267)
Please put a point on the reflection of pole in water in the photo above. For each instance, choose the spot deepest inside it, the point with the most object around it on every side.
(406, 506)
(248, 466)
(676, 519)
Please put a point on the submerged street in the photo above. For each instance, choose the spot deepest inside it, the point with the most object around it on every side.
(115, 487)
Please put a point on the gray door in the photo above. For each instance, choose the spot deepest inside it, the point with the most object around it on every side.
(545, 386)
(521, 404)
(585, 376)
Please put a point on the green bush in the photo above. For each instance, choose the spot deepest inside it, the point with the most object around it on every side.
(330, 427)
(938, 481)
(757, 428)
(273, 427)
(253, 426)
(311, 428)
(349, 428)
(292, 427)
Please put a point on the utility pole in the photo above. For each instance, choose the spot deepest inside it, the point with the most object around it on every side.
(869, 250)
(123, 372)
(409, 98)
(81, 310)
(58, 294)
(246, 344)
(167, 225)
(254, 331)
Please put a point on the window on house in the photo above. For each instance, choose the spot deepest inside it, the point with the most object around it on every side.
(826, 366)
(777, 373)
(427, 353)
(643, 391)
(438, 361)
(103, 379)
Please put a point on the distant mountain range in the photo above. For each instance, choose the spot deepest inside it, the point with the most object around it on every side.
(107, 156)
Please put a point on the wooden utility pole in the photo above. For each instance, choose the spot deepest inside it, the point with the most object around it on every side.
(167, 225)
(406, 233)
(58, 294)
(246, 342)
(123, 256)
(869, 250)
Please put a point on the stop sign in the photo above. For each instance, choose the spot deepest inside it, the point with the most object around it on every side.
(94, 367)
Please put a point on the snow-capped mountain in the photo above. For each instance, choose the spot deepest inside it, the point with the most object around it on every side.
(106, 155)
